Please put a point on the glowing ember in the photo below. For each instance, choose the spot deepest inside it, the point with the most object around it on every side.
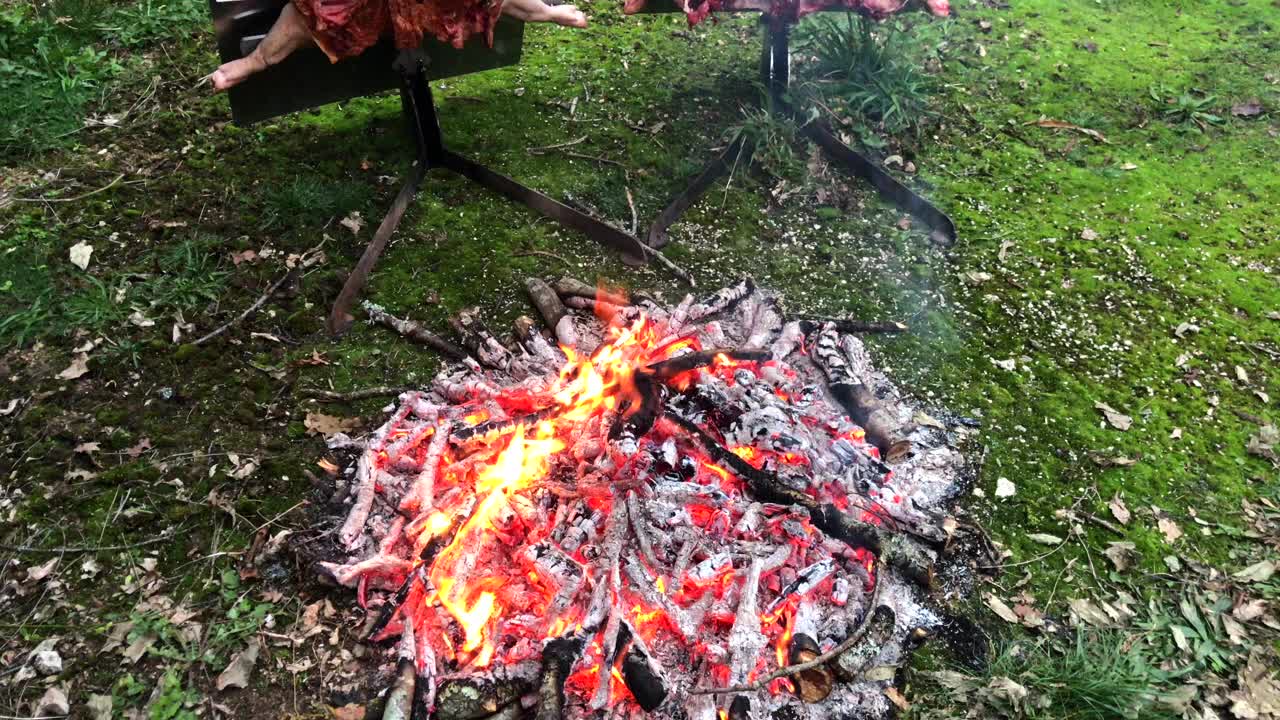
(652, 518)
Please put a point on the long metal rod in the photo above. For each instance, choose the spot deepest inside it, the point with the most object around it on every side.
(775, 76)
(424, 126)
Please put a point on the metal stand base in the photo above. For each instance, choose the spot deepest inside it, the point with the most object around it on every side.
(775, 75)
(420, 110)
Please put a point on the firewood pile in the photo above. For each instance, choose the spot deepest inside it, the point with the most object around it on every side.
(701, 511)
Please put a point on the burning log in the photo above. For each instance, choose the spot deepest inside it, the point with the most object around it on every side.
(912, 560)
(422, 495)
(552, 310)
(413, 331)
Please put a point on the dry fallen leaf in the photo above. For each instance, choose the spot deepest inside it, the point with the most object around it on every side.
(1120, 554)
(1088, 612)
(237, 672)
(1002, 610)
(1088, 234)
(1248, 108)
(1169, 529)
(329, 424)
(80, 253)
(1119, 510)
(348, 712)
(1258, 572)
(1115, 418)
(896, 698)
(353, 222)
(79, 366)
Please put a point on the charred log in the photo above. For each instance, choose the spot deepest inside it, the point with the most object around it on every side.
(571, 287)
(546, 300)
(474, 699)
(477, 338)
(667, 369)
(812, 685)
(848, 387)
(740, 708)
(558, 656)
(641, 676)
(847, 325)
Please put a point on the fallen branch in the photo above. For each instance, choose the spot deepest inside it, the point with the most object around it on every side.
(413, 331)
(164, 537)
(330, 396)
(846, 325)
(863, 626)
(81, 196)
(293, 273)
(542, 149)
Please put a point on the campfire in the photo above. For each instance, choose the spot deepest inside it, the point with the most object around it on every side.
(707, 511)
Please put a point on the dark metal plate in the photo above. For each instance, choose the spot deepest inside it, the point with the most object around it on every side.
(307, 79)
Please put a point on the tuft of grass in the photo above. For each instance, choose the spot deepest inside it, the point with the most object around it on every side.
(1187, 108)
(1095, 675)
(869, 70)
(50, 72)
(148, 21)
(769, 140)
(309, 200)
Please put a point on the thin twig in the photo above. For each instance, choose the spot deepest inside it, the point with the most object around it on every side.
(85, 548)
(260, 301)
(594, 158)
(863, 627)
(543, 253)
(82, 196)
(544, 148)
(331, 396)
(631, 203)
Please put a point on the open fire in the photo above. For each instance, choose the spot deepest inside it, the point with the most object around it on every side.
(703, 512)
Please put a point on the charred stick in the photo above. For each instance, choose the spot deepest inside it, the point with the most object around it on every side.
(721, 300)
(425, 558)
(413, 331)
(642, 676)
(353, 527)
(479, 340)
(846, 325)
(546, 300)
(401, 695)
(883, 428)
(664, 370)
(854, 638)
(740, 708)
(602, 309)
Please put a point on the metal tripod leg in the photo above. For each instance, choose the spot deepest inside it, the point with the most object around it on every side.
(424, 126)
(775, 76)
